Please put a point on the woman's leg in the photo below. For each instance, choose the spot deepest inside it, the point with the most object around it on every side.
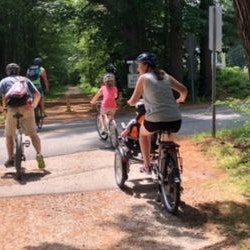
(145, 144)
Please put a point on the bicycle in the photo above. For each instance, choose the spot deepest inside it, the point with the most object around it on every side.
(167, 168)
(168, 171)
(110, 130)
(39, 116)
(19, 146)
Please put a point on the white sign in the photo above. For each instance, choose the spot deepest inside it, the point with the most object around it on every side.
(132, 79)
(215, 28)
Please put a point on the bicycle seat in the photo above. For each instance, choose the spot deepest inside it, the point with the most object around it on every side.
(18, 115)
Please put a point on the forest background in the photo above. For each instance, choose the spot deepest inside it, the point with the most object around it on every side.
(77, 38)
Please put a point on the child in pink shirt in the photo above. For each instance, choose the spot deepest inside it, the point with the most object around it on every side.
(109, 93)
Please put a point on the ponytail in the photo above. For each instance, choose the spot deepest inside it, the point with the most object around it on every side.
(159, 73)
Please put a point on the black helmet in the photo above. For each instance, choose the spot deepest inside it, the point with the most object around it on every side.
(37, 61)
(12, 69)
(148, 58)
(110, 68)
(140, 107)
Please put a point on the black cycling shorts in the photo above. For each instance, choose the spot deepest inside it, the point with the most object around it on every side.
(172, 127)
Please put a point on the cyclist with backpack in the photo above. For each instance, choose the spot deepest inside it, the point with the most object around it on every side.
(20, 95)
(38, 75)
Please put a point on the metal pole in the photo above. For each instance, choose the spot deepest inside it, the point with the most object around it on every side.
(214, 75)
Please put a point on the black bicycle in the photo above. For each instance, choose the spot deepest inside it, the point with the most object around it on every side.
(168, 171)
(168, 167)
(39, 116)
(19, 147)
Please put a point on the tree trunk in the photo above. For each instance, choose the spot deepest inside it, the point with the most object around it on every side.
(205, 55)
(175, 39)
(242, 11)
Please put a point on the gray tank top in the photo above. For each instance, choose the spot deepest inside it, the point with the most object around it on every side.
(159, 100)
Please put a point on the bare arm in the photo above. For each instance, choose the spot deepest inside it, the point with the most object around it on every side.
(37, 97)
(137, 91)
(45, 79)
(180, 88)
(96, 97)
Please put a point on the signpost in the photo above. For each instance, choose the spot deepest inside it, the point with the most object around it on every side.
(215, 44)
(132, 75)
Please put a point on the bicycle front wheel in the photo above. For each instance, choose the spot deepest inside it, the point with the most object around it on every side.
(121, 165)
(170, 185)
(113, 134)
(18, 156)
(39, 117)
(103, 135)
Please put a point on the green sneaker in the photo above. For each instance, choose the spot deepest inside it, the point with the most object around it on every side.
(40, 161)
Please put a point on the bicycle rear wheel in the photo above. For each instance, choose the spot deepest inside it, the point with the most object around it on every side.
(39, 117)
(170, 185)
(103, 136)
(120, 167)
(18, 156)
(113, 134)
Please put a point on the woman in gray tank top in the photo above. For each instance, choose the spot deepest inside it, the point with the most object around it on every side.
(162, 112)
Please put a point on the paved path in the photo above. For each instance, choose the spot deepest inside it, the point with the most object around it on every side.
(78, 160)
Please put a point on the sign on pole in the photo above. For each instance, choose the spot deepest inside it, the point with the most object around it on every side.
(215, 22)
(215, 45)
(132, 79)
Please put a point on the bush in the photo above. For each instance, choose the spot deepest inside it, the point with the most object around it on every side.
(232, 82)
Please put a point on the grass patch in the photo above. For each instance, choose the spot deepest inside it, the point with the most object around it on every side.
(240, 105)
(231, 149)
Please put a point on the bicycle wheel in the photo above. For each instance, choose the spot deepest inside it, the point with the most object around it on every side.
(18, 155)
(170, 185)
(39, 117)
(113, 134)
(103, 136)
(121, 167)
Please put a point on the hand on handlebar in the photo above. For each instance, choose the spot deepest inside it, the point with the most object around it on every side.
(180, 101)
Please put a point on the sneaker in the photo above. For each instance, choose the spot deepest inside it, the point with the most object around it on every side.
(9, 163)
(40, 161)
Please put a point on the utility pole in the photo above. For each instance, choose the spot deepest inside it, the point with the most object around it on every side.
(215, 44)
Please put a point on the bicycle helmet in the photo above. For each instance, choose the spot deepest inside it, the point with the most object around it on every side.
(110, 68)
(148, 58)
(109, 77)
(12, 69)
(37, 61)
(140, 107)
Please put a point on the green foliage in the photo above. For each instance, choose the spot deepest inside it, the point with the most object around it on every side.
(87, 89)
(232, 82)
(241, 105)
(56, 91)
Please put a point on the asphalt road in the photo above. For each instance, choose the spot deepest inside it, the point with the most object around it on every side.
(67, 138)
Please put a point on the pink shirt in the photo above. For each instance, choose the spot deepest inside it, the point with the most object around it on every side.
(109, 95)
